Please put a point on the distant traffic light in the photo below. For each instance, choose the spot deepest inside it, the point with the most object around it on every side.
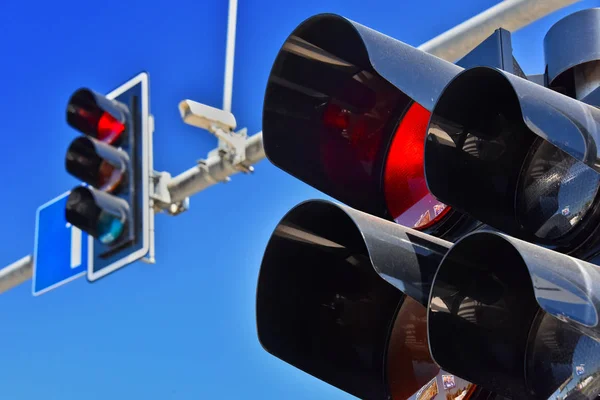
(113, 160)
(521, 157)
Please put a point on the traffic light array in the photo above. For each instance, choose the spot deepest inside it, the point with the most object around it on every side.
(113, 160)
(462, 263)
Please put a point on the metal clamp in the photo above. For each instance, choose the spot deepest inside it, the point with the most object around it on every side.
(232, 145)
(162, 197)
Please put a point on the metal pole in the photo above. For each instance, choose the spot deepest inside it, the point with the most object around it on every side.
(511, 15)
(451, 45)
(16, 273)
(229, 53)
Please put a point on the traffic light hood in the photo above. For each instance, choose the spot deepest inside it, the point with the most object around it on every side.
(323, 307)
(481, 134)
(569, 43)
(498, 304)
(335, 74)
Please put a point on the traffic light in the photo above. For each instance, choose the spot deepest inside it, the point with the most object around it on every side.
(521, 157)
(342, 294)
(343, 115)
(346, 110)
(520, 322)
(113, 160)
(386, 310)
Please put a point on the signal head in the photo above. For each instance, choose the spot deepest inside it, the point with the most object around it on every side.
(94, 115)
(341, 295)
(515, 315)
(99, 214)
(518, 157)
(343, 116)
(114, 158)
(97, 164)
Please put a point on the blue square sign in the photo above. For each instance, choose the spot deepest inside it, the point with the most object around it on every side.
(60, 252)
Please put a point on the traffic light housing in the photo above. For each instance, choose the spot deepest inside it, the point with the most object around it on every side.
(383, 128)
(345, 116)
(518, 156)
(346, 111)
(342, 295)
(513, 316)
(113, 159)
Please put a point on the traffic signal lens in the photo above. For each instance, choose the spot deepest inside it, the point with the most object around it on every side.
(99, 214)
(89, 113)
(87, 160)
(561, 362)
(409, 365)
(354, 125)
(109, 227)
(109, 177)
(555, 191)
(109, 129)
(408, 200)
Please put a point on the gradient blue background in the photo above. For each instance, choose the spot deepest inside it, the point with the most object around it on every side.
(183, 328)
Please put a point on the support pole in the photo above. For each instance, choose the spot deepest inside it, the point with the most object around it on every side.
(16, 273)
(229, 55)
(511, 15)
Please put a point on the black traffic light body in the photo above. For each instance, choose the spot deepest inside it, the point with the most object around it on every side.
(114, 160)
(521, 157)
(514, 320)
(342, 295)
(345, 294)
(334, 102)
(345, 117)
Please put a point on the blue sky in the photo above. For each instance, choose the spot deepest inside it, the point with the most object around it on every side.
(183, 328)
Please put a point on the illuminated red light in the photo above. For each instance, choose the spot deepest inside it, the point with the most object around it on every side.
(408, 200)
(109, 128)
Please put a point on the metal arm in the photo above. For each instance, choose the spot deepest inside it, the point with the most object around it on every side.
(16, 273)
(511, 15)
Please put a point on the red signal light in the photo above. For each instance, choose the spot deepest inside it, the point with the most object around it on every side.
(408, 200)
(351, 152)
(109, 128)
(102, 125)
(96, 116)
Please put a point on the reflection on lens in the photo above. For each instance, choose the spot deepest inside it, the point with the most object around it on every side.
(109, 227)
(562, 363)
(444, 386)
(555, 191)
(109, 177)
(410, 371)
(409, 364)
(407, 197)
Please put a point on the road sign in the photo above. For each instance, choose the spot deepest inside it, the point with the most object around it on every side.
(60, 250)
